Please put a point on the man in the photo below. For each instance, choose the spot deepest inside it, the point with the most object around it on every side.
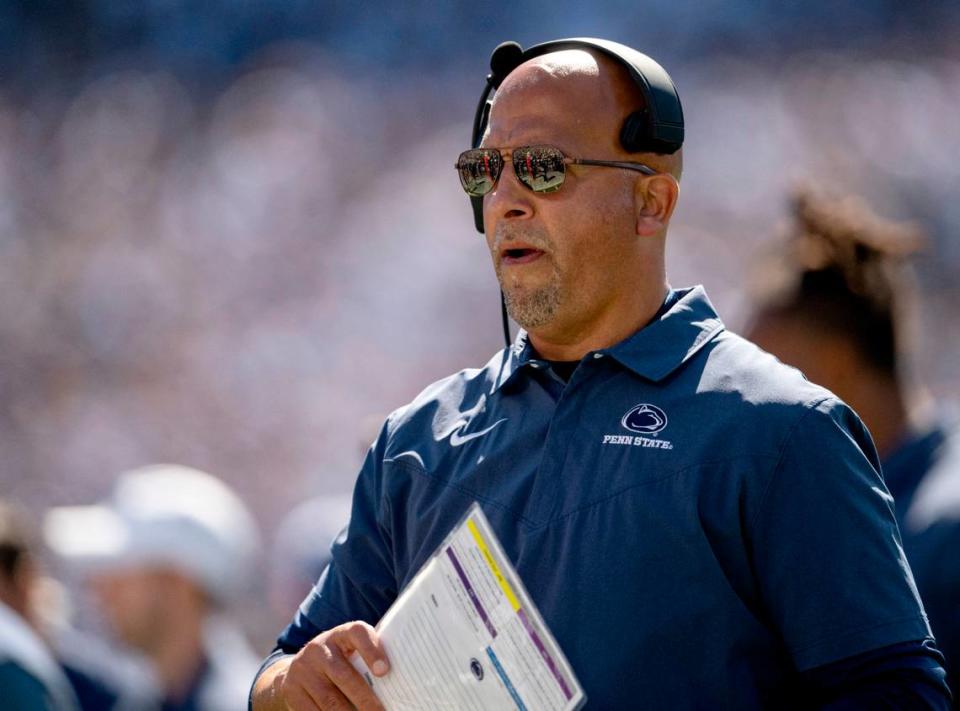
(836, 313)
(699, 527)
(30, 678)
(170, 547)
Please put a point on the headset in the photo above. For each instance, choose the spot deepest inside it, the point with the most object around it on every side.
(657, 127)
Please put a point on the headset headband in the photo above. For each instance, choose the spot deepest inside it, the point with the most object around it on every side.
(656, 128)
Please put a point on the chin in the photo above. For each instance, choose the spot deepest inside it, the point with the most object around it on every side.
(521, 314)
(532, 310)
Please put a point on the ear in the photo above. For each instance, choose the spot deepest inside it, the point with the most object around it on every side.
(655, 197)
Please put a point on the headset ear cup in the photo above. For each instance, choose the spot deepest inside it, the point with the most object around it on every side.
(477, 204)
(635, 132)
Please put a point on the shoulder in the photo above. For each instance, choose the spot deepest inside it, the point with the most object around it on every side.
(102, 675)
(736, 365)
(749, 392)
(759, 381)
(442, 403)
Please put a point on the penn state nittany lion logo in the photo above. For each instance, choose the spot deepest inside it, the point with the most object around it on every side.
(645, 418)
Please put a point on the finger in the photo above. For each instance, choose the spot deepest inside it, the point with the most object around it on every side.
(307, 687)
(363, 639)
(348, 680)
(297, 699)
(323, 696)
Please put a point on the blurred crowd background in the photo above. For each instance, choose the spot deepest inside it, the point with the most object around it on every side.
(231, 235)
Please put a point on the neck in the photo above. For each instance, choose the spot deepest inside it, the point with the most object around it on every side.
(179, 655)
(624, 317)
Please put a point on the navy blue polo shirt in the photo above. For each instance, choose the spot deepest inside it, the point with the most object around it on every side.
(696, 522)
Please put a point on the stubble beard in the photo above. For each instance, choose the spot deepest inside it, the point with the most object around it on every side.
(532, 308)
(535, 307)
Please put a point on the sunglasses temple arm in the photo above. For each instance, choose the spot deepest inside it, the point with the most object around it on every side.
(639, 167)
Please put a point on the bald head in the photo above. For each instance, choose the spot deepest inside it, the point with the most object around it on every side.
(596, 91)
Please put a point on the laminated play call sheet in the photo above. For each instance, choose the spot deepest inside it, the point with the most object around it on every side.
(464, 634)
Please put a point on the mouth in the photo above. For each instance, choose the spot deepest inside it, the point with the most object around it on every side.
(520, 255)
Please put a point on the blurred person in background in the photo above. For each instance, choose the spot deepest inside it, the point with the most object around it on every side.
(170, 548)
(30, 678)
(833, 304)
(301, 549)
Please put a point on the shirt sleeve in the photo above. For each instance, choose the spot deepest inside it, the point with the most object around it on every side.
(902, 677)
(826, 550)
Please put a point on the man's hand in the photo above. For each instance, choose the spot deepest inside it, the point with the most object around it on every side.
(321, 676)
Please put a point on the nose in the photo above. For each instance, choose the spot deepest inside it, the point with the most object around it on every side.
(509, 200)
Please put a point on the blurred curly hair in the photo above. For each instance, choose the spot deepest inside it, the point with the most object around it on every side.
(841, 270)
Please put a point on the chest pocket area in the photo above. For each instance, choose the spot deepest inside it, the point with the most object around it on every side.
(426, 502)
(598, 471)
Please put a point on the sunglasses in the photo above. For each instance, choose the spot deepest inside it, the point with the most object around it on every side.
(540, 168)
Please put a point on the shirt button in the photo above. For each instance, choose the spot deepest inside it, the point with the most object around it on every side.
(534, 364)
(598, 355)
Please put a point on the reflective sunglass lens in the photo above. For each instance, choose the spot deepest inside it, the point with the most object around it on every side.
(479, 170)
(540, 168)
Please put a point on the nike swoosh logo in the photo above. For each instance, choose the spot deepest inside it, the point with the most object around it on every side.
(456, 439)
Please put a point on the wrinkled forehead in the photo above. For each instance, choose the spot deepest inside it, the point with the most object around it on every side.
(570, 96)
